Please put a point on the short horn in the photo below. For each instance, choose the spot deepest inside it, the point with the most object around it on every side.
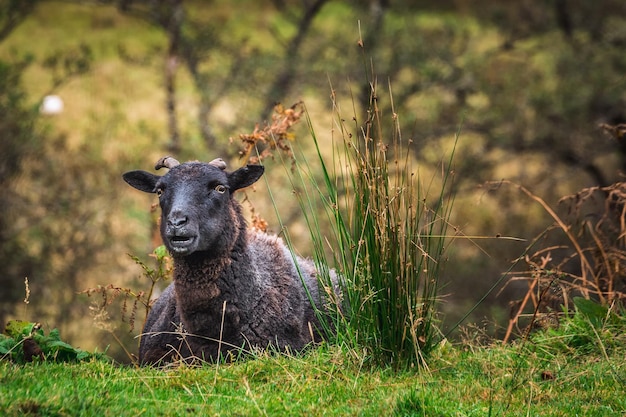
(166, 162)
(218, 162)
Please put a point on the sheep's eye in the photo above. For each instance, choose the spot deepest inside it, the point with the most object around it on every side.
(220, 189)
(159, 192)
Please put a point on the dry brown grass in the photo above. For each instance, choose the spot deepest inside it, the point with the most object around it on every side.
(272, 137)
(582, 254)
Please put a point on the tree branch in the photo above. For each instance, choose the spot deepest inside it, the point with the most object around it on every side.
(283, 81)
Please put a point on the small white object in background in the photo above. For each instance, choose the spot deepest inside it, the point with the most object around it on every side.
(51, 105)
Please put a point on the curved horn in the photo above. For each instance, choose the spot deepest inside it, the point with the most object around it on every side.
(218, 162)
(166, 162)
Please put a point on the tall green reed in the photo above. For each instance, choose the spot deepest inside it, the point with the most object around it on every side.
(382, 230)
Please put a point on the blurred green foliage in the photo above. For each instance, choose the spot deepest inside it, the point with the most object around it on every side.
(530, 82)
(27, 342)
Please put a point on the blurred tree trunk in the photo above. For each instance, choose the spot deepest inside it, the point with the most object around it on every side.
(12, 13)
(563, 18)
(171, 65)
(288, 73)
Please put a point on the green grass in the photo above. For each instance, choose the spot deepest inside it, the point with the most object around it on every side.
(469, 381)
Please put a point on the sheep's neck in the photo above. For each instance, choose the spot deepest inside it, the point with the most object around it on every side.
(198, 283)
(198, 271)
(204, 268)
(204, 284)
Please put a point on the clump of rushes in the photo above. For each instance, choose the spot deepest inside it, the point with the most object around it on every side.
(386, 237)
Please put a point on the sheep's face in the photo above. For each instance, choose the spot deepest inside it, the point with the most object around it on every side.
(197, 213)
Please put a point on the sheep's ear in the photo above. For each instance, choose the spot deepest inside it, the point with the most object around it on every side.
(245, 176)
(141, 180)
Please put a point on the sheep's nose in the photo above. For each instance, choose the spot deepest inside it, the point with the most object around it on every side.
(176, 219)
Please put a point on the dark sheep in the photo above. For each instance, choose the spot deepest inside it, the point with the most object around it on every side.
(234, 288)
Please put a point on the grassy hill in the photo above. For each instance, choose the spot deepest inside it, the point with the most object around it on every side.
(533, 379)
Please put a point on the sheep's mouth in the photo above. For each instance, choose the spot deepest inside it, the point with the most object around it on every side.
(181, 244)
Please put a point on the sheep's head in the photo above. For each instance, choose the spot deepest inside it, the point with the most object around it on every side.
(197, 212)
